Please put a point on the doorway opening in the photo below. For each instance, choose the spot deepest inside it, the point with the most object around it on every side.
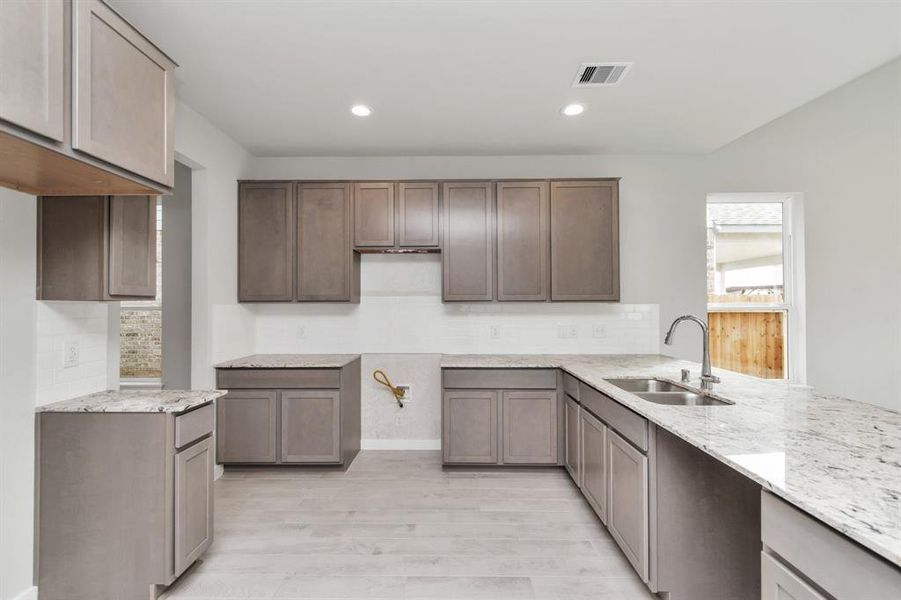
(155, 335)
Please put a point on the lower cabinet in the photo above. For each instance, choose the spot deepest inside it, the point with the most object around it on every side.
(573, 447)
(804, 559)
(124, 500)
(193, 503)
(289, 415)
(530, 427)
(311, 427)
(502, 417)
(778, 582)
(594, 481)
(470, 427)
(246, 427)
(627, 508)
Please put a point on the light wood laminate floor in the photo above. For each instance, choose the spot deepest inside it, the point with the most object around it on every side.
(395, 525)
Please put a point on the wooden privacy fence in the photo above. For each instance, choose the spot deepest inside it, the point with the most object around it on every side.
(750, 342)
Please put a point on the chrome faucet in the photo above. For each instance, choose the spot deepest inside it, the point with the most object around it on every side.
(707, 376)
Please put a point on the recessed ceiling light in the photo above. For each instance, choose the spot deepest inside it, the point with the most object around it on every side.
(571, 110)
(361, 110)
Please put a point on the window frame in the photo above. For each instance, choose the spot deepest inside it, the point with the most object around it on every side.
(793, 276)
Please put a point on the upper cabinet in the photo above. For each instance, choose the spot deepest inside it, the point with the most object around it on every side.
(266, 242)
(328, 270)
(522, 240)
(123, 94)
(417, 215)
(374, 214)
(86, 102)
(392, 216)
(32, 59)
(96, 248)
(468, 248)
(585, 240)
(509, 241)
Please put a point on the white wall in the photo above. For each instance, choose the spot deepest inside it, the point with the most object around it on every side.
(843, 153)
(32, 337)
(220, 327)
(18, 312)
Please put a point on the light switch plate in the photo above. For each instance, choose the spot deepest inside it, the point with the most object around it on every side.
(71, 354)
(599, 331)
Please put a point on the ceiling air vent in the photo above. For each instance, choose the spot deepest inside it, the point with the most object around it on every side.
(598, 74)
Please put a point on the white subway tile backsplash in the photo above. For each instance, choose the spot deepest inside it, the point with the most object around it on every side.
(59, 323)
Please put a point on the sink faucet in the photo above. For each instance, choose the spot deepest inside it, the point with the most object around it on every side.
(707, 376)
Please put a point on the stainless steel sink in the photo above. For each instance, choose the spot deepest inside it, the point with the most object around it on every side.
(666, 392)
(684, 398)
(645, 385)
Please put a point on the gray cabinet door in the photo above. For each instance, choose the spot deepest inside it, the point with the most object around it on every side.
(467, 258)
(246, 427)
(522, 240)
(374, 214)
(627, 506)
(417, 215)
(193, 503)
(324, 244)
(123, 93)
(780, 583)
(584, 240)
(470, 427)
(132, 246)
(593, 436)
(32, 59)
(311, 427)
(265, 242)
(530, 427)
(573, 446)
(70, 247)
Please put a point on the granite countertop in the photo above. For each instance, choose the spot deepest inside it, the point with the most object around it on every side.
(134, 401)
(289, 361)
(836, 459)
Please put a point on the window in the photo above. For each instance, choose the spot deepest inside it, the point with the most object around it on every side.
(140, 329)
(754, 282)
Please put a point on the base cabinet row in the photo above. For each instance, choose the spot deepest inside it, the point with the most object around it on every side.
(500, 427)
(296, 426)
(613, 477)
(288, 416)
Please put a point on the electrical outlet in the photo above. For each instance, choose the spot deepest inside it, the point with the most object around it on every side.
(599, 331)
(567, 332)
(300, 332)
(408, 392)
(399, 420)
(71, 355)
(494, 332)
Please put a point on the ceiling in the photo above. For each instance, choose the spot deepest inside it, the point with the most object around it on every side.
(489, 77)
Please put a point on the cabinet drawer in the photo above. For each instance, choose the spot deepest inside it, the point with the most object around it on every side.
(571, 386)
(515, 379)
(826, 557)
(777, 582)
(629, 425)
(193, 425)
(278, 378)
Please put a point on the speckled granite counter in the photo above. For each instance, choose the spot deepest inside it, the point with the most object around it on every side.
(135, 401)
(289, 361)
(836, 459)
